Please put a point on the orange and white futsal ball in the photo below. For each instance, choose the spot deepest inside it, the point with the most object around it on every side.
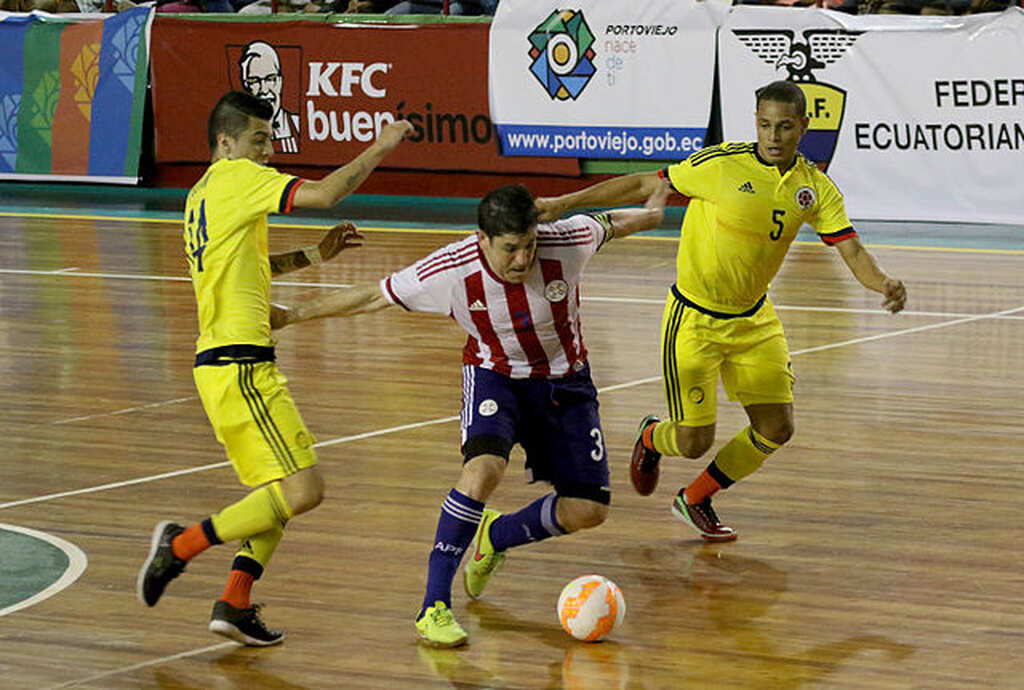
(590, 607)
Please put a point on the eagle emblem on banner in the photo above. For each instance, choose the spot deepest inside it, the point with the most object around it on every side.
(826, 103)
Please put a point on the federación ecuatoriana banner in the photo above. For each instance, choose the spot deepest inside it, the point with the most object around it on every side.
(600, 79)
(72, 91)
(915, 118)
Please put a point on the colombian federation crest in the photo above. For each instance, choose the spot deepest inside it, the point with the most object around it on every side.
(805, 197)
(561, 48)
(825, 103)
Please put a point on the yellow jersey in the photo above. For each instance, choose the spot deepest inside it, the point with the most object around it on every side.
(226, 245)
(743, 216)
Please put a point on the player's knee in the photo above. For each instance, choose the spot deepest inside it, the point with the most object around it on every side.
(692, 442)
(777, 431)
(308, 498)
(481, 476)
(304, 490)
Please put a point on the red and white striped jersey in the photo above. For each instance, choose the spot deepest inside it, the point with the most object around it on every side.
(528, 330)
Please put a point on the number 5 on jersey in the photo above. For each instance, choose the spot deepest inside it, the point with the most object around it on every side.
(197, 237)
(777, 215)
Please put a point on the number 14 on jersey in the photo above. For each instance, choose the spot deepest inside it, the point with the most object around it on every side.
(196, 237)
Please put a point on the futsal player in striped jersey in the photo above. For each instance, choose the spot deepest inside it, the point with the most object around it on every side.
(244, 394)
(513, 286)
(747, 202)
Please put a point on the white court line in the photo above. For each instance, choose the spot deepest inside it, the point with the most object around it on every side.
(907, 331)
(960, 316)
(144, 664)
(212, 466)
(113, 485)
(844, 343)
(126, 410)
(830, 310)
(441, 420)
(74, 272)
(954, 315)
(76, 566)
(621, 300)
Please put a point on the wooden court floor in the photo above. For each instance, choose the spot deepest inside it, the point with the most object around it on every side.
(880, 549)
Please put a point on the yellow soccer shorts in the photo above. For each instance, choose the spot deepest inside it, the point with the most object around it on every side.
(749, 352)
(256, 420)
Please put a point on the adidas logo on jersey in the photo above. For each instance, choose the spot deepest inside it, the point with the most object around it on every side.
(478, 306)
(746, 187)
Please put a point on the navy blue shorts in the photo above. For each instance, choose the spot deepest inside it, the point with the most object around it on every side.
(554, 420)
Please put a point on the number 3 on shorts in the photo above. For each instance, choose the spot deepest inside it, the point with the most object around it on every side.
(598, 453)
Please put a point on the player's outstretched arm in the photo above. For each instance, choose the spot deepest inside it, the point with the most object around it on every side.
(618, 191)
(346, 179)
(864, 267)
(361, 299)
(626, 221)
(339, 238)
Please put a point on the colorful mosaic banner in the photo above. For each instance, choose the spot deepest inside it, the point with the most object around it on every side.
(72, 94)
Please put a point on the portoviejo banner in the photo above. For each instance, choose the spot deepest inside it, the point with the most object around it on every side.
(601, 79)
(333, 86)
(72, 95)
(915, 118)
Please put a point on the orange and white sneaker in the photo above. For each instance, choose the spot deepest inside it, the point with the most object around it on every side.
(483, 561)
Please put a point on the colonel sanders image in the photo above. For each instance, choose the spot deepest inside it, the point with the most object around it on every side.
(261, 76)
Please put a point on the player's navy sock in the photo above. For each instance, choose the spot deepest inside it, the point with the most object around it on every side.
(535, 522)
(460, 516)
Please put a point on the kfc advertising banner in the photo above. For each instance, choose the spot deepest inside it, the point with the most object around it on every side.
(333, 86)
(915, 118)
(603, 79)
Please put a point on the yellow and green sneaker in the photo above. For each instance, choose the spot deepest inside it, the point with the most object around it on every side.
(438, 627)
(483, 561)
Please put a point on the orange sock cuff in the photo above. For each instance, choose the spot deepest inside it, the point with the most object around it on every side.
(647, 437)
(190, 543)
(237, 590)
(703, 486)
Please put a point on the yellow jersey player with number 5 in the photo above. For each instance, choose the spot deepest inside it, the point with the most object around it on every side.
(244, 395)
(747, 202)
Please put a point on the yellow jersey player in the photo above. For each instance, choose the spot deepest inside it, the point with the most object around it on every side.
(747, 202)
(244, 394)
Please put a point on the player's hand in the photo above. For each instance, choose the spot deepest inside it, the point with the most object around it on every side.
(280, 316)
(340, 237)
(550, 208)
(393, 133)
(895, 295)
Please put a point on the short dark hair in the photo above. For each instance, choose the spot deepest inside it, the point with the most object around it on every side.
(783, 92)
(508, 209)
(231, 115)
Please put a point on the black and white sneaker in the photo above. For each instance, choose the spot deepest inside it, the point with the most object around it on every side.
(161, 566)
(243, 625)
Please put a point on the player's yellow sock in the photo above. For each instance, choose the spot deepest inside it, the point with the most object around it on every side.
(262, 510)
(250, 560)
(664, 438)
(744, 454)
